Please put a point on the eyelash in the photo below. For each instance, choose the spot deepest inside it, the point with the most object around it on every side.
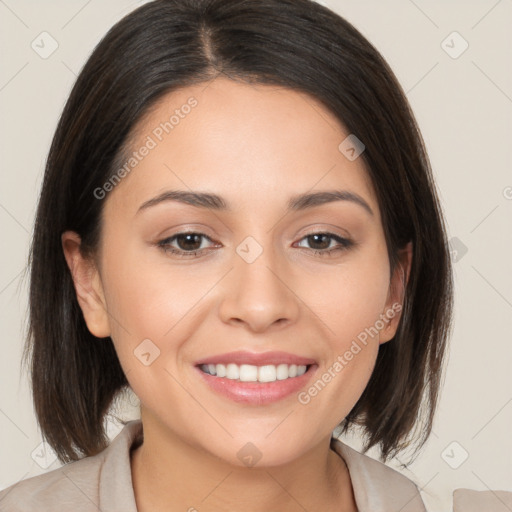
(164, 245)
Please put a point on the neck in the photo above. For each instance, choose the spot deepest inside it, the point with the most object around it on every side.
(170, 474)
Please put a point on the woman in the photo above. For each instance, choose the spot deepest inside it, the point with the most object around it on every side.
(239, 222)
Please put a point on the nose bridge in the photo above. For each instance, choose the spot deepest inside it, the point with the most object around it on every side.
(258, 293)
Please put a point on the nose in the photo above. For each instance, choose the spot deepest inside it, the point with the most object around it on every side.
(259, 294)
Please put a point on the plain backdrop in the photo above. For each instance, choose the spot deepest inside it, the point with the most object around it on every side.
(460, 89)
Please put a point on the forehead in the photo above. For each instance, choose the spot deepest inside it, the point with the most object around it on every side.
(250, 143)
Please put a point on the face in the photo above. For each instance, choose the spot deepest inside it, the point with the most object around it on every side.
(254, 270)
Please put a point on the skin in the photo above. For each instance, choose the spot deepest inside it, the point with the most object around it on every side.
(256, 146)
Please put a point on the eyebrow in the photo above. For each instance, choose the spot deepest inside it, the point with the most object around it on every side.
(217, 203)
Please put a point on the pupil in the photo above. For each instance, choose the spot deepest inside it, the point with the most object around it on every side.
(187, 238)
(320, 236)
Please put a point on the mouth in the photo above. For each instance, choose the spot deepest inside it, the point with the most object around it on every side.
(253, 373)
(256, 378)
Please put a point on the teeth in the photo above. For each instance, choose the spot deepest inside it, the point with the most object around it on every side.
(250, 373)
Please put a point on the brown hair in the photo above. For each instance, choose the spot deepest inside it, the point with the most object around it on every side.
(169, 44)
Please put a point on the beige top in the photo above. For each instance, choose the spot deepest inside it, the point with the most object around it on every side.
(104, 482)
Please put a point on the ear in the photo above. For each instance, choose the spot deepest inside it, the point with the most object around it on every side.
(88, 287)
(395, 301)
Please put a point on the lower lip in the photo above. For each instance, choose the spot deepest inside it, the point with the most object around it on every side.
(257, 393)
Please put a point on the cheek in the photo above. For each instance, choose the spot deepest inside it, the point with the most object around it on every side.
(157, 308)
(351, 299)
(351, 346)
(351, 305)
(149, 298)
(153, 312)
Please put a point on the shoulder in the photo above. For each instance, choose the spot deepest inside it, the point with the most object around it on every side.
(82, 486)
(378, 487)
(73, 483)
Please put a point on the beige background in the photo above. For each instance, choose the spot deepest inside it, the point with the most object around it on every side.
(464, 108)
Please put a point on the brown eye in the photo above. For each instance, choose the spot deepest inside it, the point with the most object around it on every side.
(321, 242)
(184, 244)
(189, 241)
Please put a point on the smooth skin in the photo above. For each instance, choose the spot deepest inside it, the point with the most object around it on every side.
(256, 146)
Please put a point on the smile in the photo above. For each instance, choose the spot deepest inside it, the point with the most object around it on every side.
(263, 385)
(252, 373)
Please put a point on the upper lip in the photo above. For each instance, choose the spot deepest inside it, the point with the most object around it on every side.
(256, 358)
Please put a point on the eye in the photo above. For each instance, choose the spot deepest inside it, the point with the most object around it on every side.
(323, 242)
(189, 244)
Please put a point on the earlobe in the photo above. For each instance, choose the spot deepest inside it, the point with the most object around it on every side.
(88, 286)
(396, 295)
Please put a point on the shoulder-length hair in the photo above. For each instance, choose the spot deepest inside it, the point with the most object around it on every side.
(169, 44)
